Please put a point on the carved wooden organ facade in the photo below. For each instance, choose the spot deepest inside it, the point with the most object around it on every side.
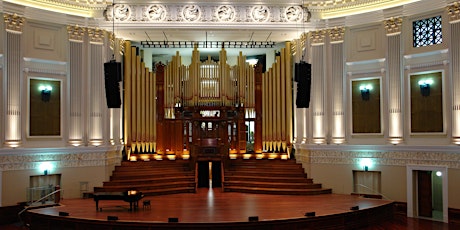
(204, 110)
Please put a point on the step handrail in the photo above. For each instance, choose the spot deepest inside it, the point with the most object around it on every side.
(39, 200)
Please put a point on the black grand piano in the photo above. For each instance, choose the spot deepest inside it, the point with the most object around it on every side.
(131, 196)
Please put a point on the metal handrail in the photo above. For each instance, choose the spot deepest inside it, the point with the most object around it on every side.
(37, 201)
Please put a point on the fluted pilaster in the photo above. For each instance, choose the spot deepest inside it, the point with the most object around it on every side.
(318, 87)
(454, 13)
(337, 95)
(13, 127)
(97, 105)
(77, 73)
(395, 116)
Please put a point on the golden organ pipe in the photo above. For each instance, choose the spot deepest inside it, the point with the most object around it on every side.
(142, 123)
(278, 101)
(147, 110)
(127, 98)
(289, 92)
(153, 104)
(283, 98)
(138, 102)
(133, 98)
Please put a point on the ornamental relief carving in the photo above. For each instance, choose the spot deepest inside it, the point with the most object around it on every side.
(62, 160)
(191, 13)
(294, 14)
(14, 23)
(260, 13)
(450, 160)
(225, 13)
(158, 13)
(119, 12)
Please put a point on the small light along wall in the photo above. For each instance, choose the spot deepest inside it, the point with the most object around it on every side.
(366, 163)
(46, 167)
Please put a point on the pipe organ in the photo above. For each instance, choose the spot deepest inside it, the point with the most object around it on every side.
(204, 109)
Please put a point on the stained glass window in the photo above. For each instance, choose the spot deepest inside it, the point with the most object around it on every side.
(427, 32)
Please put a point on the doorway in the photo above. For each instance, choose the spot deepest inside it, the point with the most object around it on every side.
(427, 192)
(209, 174)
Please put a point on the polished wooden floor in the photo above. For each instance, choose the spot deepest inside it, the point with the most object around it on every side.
(212, 205)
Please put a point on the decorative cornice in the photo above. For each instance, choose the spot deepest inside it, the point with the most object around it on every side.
(393, 26)
(21, 159)
(87, 8)
(317, 37)
(76, 33)
(14, 23)
(96, 35)
(454, 12)
(336, 34)
(209, 13)
(385, 156)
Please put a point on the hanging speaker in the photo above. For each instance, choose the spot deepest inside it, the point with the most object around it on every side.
(112, 76)
(303, 78)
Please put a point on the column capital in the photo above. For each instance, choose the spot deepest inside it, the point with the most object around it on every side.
(393, 26)
(14, 23)
(454, 12)
(96, 35)
(76, 33)
(317, 37)
(337, 34)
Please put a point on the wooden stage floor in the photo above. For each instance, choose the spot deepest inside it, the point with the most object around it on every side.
(213, 206)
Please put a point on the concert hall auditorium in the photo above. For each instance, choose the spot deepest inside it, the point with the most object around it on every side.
(270, 114)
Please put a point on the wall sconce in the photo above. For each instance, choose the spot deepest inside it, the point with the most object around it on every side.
(366, 163)
(45, 92)
(365, 91)
(46, 167)
(425, 86)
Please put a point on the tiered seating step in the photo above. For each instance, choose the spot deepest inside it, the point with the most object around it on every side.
(283, 177)
(151, 178)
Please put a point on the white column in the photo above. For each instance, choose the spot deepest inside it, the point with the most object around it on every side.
(395, 118)
(455, 52)
(338, 114)
(96, 88)
(77, 73)
(394, 79)
(318, 76)
(337, 83)
(13, 127)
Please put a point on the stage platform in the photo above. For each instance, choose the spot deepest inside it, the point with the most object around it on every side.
(212, 208)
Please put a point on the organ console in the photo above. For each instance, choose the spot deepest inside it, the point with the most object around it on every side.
(204, 108)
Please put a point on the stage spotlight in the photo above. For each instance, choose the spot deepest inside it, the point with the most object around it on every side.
(354, 208)
(63, 214)
(310, 214)
(173, 220)
(113, 218)
(253, 219)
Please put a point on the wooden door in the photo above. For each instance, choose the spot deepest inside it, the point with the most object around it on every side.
(216, 174)
(424, 194)
(203, 174)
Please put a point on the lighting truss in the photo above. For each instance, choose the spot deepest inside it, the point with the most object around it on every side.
(207, 44)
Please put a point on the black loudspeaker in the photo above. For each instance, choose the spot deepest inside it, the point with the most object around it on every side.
(310, 214)
(112, 75)
(112, 218)
(63, 214)
(173, 220)
(253, 219)
(303, 78)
